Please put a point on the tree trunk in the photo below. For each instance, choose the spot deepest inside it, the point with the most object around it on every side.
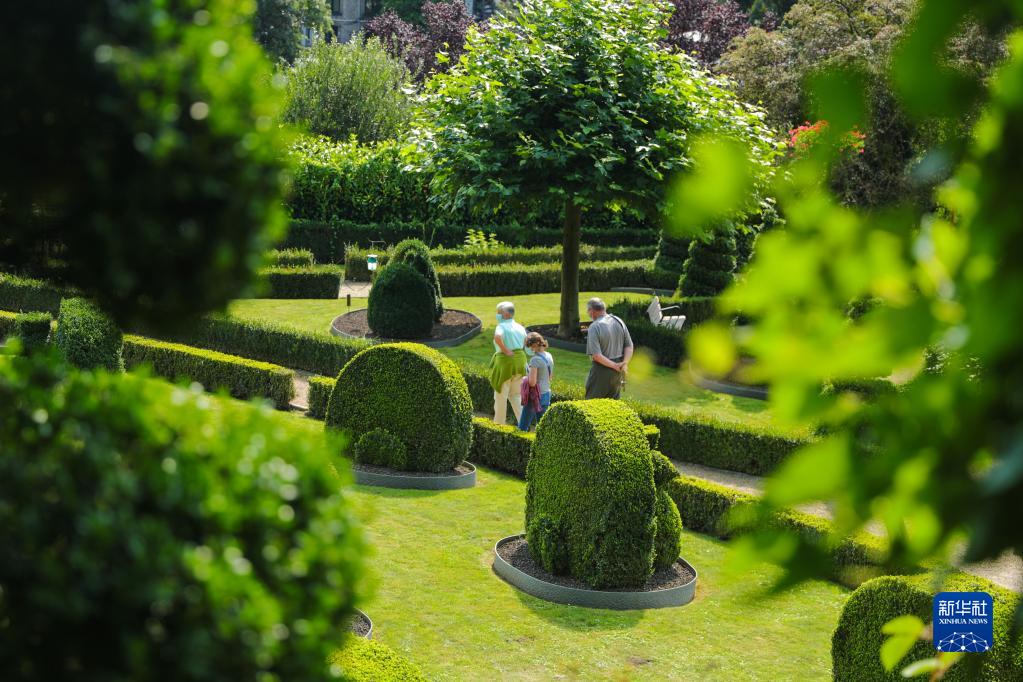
(568, 326)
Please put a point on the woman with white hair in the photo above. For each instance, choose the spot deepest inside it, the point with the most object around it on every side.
(508, 364)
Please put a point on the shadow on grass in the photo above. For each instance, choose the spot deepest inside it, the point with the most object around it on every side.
(402, 493)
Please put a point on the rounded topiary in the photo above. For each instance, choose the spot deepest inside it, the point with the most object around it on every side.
(367, 660)
(381, 448)
(87, 337)
(416, 254)
(190, 537)
(668, 538)
(412, 391)
(401, 304)
(590, 486)
(709, 269)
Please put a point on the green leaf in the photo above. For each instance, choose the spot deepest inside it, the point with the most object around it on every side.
(904, 625)
(921, 667)
(895, 648)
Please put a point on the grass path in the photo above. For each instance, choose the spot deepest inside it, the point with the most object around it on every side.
(648, 382)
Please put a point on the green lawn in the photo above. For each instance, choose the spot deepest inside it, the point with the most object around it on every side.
(438, 601)
(648, 382)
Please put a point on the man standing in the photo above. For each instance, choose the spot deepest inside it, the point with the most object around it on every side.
(609, 345)
(508, 363)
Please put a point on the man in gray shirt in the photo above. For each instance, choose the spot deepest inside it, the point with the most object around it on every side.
(609, 345)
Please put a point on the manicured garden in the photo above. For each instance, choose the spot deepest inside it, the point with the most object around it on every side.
(217, 464)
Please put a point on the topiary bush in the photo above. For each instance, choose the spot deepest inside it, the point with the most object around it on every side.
(671, 253)
(366, 660)
(87, 337)
(381, 448)
(708, 270)
(668, 539)
(590, 495)
(401, 304)
(412, 391)
(856, 642)
(416, 253)
(145, 535)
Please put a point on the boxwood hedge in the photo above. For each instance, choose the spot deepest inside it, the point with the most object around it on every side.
(310, 281)
(26, 294)
(590, 495)
(544, 278)
(32, 328)
(402, 304)
(87, 337)
(412, 391)
(241, 377)
(856, 642)
(290, 258)
(367, 660)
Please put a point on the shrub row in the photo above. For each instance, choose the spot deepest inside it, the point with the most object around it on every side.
(697, 309)
(25, 294)
(311, 281)
(355, 257)
(514, 279)
(290, 258)
(241, 377)
(329, 240)
(32, 328)
(685, 436)
(856, 642)
(87, 337)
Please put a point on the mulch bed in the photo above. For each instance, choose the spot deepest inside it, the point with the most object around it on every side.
(360, 625)
(453, 324)
(550, 331)
(516, 553)
(459, 470)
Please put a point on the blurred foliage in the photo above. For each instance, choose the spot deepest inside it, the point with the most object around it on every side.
(278, 25)
(940, 460)
(777, 68)
(139, 137)
(148, 533)
(342, 90)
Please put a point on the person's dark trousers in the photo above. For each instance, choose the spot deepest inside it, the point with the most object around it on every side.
(604, 382)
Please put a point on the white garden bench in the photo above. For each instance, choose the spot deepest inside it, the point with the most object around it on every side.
(657, 317)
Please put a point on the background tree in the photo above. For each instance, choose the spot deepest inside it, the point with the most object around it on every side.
(345, 89)
(143, 152)
(705, 28)
(775, 68)
(444, 27)
(277, 25)
(574, 105)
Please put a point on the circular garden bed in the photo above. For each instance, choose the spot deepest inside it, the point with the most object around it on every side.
(455, 328)
(673, 586)
(576, 342)
(362, 626)
(462, 476)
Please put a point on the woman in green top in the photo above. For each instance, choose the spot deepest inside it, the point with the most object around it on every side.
(508, 364)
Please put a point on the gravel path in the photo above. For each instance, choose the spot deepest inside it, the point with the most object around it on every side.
(356, 289)
(301, 399)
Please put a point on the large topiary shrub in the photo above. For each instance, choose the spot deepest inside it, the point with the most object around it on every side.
(401, 303)
(87, 337)
(416, 253)
(413, 392)
(856, 643)
(708, 270)
(590, 494)
(146, 536)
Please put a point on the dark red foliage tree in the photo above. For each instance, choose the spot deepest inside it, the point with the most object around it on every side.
(445, 24)
(704, 28)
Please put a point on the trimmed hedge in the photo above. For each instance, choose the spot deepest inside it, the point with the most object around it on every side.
(697, 309)
(243, 378)
(356, 269)
(590, 495)
(312, 281)
(412, 391)
(856, 642)
(290, 258)
(402, 304)
(367, 660)
(32, 328)
(26, 294)
(685, 436)
(319, 395)
(87, 337)
(516, 279)
(328, 240)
